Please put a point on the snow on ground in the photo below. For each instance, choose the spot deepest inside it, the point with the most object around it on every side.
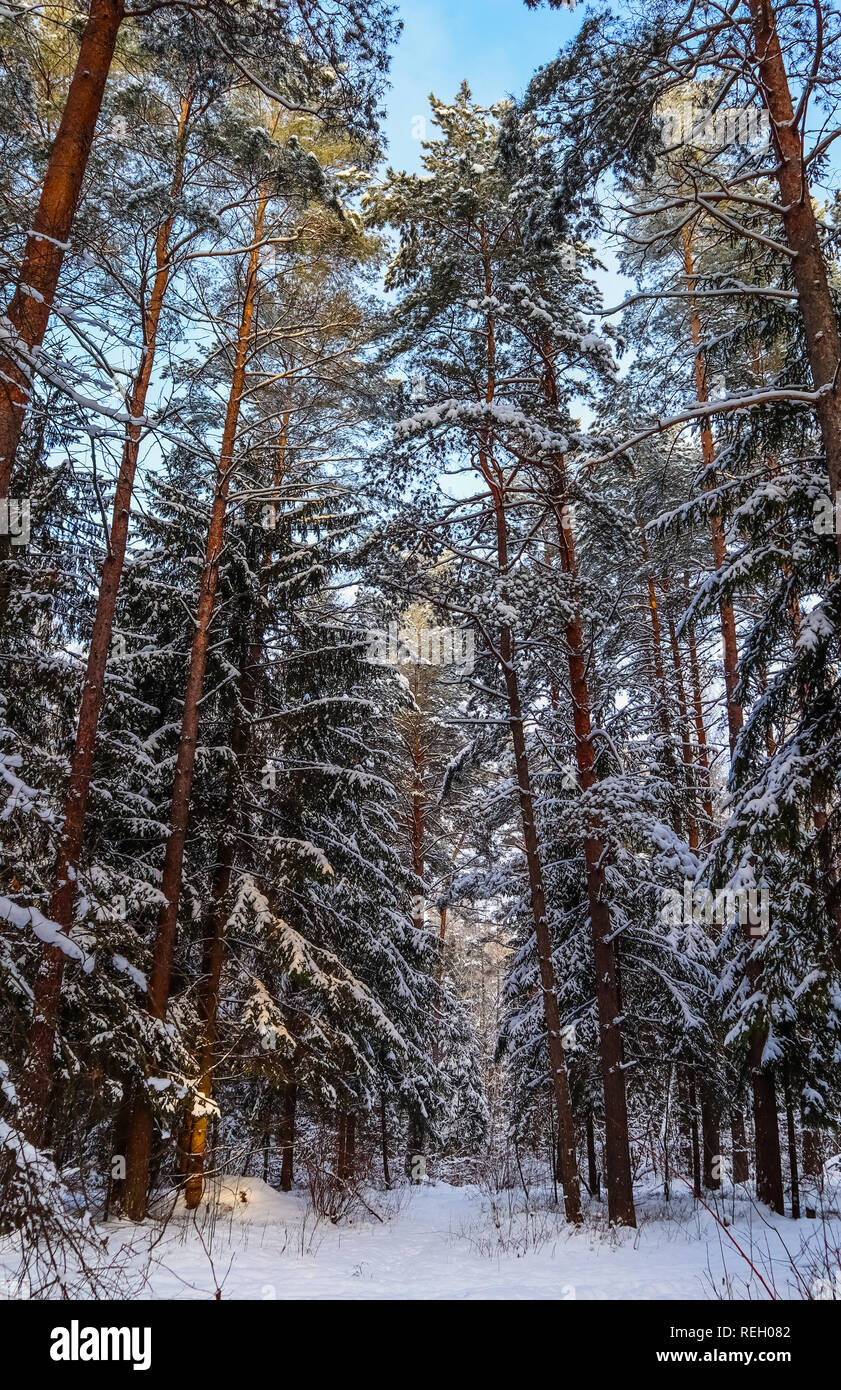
(437, 1241)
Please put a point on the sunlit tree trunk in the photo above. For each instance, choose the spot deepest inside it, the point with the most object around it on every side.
(617, 1153)
(820, 323)
(48, 982)
(29, 311)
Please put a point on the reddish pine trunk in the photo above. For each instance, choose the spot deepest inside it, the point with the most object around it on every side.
(142, 1126)
(820, 325)
(28, 313)
(620, 1193)
(617, 1150)
(48, 983)
(567, 1163)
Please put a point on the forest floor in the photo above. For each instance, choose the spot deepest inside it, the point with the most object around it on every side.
(437, 1241)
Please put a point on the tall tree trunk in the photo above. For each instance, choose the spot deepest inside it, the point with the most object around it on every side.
(48, 982)
(29, 311)
(617, 1154)
(820, 324)
(163, 947)
(567, 1162)
(769, 1172)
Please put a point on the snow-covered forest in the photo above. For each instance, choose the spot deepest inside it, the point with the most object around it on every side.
(420, 605)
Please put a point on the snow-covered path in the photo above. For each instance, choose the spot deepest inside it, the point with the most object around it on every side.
(442, 1242)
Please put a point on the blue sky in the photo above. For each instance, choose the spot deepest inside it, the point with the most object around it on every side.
(495, 44)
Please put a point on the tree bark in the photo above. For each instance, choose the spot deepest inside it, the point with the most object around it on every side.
(29, 311)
